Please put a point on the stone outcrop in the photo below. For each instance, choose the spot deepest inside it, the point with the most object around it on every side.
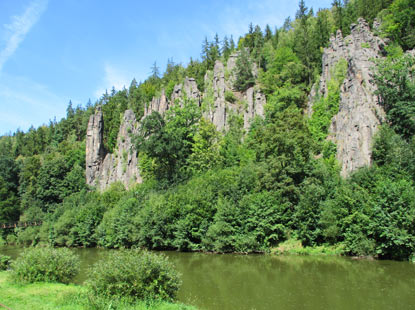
(103, 168)
(95, 151)
(158, 104)
(248, 104)
(188, 89)
(360, 115)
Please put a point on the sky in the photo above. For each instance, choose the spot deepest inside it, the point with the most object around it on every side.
(54, 51)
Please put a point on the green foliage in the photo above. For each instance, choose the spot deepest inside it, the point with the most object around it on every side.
(243, 72)
(168, 140)
(393, 154)
(395, 79)
(118, 227)
(51, 296)
(4, 262)
(141, 275)
(205, 148)
(230, 97)
(399, 23)
(326, 107)
(45, 265)
(113, 108)
(283, 69)
(284, 145)
(237, 190)
(75, 221)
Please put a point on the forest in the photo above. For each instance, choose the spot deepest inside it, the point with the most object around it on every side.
(236, 190)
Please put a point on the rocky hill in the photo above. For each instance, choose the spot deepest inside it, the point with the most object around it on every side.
(352, 129)
(103, 168)
(360, 115)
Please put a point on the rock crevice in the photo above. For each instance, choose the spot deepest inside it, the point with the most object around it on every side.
(103, 168)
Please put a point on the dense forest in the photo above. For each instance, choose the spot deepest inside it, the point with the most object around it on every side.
(237, 190)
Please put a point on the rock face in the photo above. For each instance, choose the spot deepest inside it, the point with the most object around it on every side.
(103, 168)
(95, 151)
(217, 83)
(247, 104)
(360, 115)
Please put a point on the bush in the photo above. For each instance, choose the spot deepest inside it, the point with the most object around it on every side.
(134, 274)
(230, 96)
(4, 262)
(45, 265)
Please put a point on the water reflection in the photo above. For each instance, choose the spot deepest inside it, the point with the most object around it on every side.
(232, 282)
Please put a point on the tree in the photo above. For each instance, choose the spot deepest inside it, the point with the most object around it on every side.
(283, 67)
(268, 33)
(283, 148)
(69, 110)
(168, 140)
(205, 149)
(226, 49)
(338, 14)
(243, 71)
(395, 79)
(399, 23)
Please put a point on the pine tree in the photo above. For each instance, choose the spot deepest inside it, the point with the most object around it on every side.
(232, 44)
(243, 70)
(268, 33)
(338, 14)
(155, 71)
(226, 50)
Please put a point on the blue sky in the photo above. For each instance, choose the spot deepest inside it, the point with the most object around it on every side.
(53, 51)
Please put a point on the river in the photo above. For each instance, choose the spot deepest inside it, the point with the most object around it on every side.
(248, 282)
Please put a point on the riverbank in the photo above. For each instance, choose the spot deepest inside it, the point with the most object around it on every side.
(51, 296)
(295, 247)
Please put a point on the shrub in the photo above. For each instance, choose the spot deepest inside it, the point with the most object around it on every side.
(134, 274)
(230, 96)
(4, 262)
(45, 265)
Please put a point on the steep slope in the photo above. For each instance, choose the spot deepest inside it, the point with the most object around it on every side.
(103, 168)
(353, 127)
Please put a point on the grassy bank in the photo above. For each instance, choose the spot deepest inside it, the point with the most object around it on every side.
(295, 247)
(45, 296)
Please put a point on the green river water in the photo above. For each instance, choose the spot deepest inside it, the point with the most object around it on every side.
(247, 282)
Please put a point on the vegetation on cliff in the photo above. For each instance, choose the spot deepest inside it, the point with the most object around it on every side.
(238, 190)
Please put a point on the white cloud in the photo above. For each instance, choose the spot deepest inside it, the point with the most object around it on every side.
(113, 77)
(20, 26)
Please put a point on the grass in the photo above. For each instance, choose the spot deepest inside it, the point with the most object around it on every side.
(295, 247)
(51, 296)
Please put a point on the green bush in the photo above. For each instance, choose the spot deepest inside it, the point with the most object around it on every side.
(4, 262)
(134, 274)
(230, 96)
(45, 265)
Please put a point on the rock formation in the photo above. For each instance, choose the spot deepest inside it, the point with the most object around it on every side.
(248, 104)
(95, 151)
(360, 115)
(103, 168)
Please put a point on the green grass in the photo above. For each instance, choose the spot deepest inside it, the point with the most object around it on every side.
(45, 296)
(294, 247)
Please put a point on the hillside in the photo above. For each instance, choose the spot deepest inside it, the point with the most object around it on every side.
(303, 132)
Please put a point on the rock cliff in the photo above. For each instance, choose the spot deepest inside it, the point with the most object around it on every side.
(103, 168)
(247, 104)
(360, 115)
